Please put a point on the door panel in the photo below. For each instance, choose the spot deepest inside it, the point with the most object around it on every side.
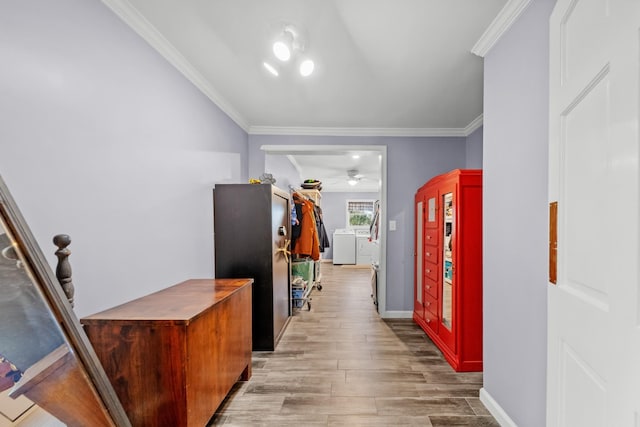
(418, 273)
(593, 377)
(281, 294)
(584, 146)
(448, 282)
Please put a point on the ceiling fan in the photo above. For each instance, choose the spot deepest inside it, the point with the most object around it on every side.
(353, 176)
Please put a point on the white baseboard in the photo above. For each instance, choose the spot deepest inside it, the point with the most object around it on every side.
(397, 315)
(496, 410)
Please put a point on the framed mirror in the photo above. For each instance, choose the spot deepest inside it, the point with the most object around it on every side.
(44, 353)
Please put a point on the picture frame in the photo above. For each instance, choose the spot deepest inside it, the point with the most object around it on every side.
(68, 382)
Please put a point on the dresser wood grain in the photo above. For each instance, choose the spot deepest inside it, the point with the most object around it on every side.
(172, 356)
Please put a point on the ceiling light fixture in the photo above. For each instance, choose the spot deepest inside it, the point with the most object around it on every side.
(271, 68)
(281, 51)
(283, 46)
(306, 67)
(354, 178)
(286, 46)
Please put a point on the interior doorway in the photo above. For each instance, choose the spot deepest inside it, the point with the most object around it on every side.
(381, 152)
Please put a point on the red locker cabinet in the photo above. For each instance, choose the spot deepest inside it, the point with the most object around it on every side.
(448, 265)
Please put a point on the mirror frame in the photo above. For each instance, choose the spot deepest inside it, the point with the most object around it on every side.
(57, 302)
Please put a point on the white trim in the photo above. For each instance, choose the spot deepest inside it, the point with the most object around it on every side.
(496, 410)
(330, 131)
(474, 125)
(396, 314)
(501, 23)
(134, 19)
(382, 150)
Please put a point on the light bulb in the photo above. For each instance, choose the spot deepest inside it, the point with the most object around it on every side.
(271, 68)
(352, 181)
(306, 67)
(281, 51)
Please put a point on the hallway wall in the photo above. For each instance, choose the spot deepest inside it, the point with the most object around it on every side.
(515, 217)
(104, 140)
(474, 149)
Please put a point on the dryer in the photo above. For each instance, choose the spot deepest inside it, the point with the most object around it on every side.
(344, 246)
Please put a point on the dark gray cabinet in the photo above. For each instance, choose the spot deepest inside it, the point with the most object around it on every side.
(251, 222)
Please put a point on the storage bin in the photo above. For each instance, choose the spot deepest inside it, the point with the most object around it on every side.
(303, 269)
(297, 295)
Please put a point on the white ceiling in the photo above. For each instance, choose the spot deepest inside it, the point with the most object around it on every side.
(383, 67)
(334, 168)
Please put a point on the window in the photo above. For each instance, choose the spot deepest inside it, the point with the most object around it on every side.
(359, 213)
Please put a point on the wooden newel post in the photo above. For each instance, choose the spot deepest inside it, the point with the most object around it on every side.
(63, 269)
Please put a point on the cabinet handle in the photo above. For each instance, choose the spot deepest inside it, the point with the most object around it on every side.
(428, 237)
(428, 253)
(428, 320)
(428, 270)
(428, 286)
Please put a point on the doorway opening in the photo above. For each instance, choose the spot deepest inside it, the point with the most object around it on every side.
(381, 152)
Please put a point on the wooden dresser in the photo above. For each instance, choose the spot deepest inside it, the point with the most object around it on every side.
(172, 356)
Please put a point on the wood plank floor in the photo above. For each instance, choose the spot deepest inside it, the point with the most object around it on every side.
(340, 364)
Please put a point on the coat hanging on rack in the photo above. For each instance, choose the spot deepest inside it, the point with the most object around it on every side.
(307, 244)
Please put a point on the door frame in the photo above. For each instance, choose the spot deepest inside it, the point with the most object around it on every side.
(382, 151)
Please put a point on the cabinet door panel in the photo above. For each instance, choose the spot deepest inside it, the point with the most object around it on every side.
(418, 257)
(431, 208)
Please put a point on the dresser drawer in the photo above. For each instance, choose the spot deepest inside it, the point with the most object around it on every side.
(431, 271)
(431, 304)
(431, 320)
(431, 236)
(431, 288)
(431, 254)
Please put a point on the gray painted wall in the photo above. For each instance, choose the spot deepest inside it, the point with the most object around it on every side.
(515, 217)
(474, 149)
(282, 170)
(102, 139)
(410, 163)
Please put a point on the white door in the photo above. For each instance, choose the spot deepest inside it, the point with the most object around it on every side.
(593, 372)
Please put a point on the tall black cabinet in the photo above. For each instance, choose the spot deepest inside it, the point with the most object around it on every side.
(251, 222)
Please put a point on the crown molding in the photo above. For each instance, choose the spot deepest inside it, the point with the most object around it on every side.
(474, 125)
(134, 19)
(333, 131)
(501, 23)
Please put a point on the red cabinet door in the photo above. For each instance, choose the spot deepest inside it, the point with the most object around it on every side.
(447, 280)
(418, 274)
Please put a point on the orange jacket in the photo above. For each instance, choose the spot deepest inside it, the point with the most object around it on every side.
(308, 243)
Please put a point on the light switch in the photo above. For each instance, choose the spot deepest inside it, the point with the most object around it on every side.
(392, 225)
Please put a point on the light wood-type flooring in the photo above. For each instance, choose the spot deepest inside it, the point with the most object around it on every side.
(340, 364)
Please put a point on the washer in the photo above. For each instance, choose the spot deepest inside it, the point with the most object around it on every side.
(364, 248)
(344, 246)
